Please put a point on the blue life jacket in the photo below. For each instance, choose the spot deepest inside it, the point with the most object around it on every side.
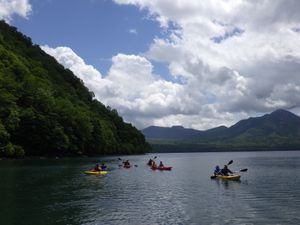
(217, 169)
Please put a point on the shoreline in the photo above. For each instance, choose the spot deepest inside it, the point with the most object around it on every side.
(152, 152)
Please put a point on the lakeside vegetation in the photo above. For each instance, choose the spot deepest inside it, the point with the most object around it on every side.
(171, 146)
(45, 110)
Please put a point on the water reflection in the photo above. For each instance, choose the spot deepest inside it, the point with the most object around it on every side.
(226, 183)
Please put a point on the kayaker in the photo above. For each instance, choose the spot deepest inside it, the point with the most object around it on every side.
(103, 166)
(126, 163)
(225, 171)
(150, 162)
(217, 170)
(97, 168)
(161, 165)
(154, 164)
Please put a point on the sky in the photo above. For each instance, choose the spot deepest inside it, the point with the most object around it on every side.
(199, 64)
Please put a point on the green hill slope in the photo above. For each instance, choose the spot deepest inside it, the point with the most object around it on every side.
(46, 110)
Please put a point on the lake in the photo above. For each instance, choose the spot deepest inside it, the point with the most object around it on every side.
(55, 191)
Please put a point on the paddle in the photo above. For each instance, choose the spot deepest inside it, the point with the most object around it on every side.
(229, 163)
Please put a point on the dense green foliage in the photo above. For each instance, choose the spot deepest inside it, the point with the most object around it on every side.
(46, 110)
(279, 130)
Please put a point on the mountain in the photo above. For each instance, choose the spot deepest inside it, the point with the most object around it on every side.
(280, 122)
(46, 110)
(175, 132)
(277, 130)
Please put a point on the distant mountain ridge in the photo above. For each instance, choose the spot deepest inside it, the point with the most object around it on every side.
(281, 122)
(174, 132)
(279, 129)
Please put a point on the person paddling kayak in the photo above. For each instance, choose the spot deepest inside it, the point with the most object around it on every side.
(150, 162)
(103, 166)
(96, 168)
(154, 164)
(161, 165)
(225, 171)
(217, 170)
(126, 164)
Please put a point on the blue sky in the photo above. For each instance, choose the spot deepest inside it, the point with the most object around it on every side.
(95, 30)
(199, 64)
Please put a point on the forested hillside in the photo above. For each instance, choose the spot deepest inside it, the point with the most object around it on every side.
(46, 110)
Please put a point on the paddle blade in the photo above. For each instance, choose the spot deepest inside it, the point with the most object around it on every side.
(119, 159)
(230, 162)
(244, 170)
(213, 177)
(155, 157)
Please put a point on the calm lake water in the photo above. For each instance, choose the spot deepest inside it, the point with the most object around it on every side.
(57, 192)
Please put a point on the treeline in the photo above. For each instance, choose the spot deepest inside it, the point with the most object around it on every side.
(46, 110)
(218, 147)
(249, 141)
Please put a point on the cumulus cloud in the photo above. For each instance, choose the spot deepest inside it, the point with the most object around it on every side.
(132, 31)
(232, 58)
(10, 7)
(130, 86)
(243, 56)
(141, 96)
(66, 56)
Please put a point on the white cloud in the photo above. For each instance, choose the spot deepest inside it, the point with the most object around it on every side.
(131, 87)
(70, 60)
(132, 31)
(234, 58)
(11, 7)
(254, 65)
(91, 77)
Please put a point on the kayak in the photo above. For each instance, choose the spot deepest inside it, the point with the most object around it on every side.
(127, 166)
(162, 168)
(89, 172)
(230, 177)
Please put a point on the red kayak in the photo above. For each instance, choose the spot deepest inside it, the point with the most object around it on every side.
(162, 168)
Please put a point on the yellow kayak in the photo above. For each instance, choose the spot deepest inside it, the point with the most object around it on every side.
(229, 177)
(88, 172)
